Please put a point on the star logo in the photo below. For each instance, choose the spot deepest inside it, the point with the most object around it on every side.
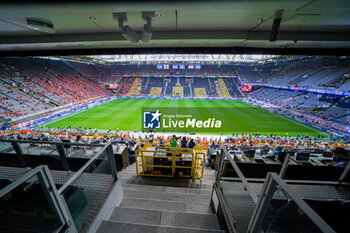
(151, 120)
(156, 115)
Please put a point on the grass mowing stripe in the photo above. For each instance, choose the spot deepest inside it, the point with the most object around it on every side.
(126, 114)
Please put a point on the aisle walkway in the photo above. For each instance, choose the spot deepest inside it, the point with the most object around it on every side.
(157, 205)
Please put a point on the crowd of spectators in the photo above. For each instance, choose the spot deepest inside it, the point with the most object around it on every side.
(101, 73)
(107, 73)
(210, 85)
(324, 73)
(266, 97)
(30, 85)
(125, 86)
(270, 143)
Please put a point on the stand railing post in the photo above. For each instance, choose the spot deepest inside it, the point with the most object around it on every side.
(219, 169)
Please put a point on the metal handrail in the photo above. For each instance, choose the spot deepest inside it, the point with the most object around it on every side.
(284, 166)
(283, 170)
(48, 187)
(262, 180)
(272, 181)
(344, 174)
(226, 211)
(175, 152)
(82, 169)
(52, 142)
(21, 180)
(241, 176)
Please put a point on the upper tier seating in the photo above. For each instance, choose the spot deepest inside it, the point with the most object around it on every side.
(30, 86)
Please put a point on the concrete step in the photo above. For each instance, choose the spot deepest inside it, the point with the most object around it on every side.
(165, 218)
(168, 182)
(138, 203)
(140, 216)
(123, 227)
(179, 197)
(155, 188)
(208, 175)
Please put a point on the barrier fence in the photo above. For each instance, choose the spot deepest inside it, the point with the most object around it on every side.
(163, 161)
(241, 206)
(73, 198)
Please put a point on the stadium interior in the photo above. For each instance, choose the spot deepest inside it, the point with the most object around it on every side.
(177, 116)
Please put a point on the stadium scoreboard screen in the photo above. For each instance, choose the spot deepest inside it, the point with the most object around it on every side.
(194, 67)
(246, 88)
(113, 86)
(176, 67)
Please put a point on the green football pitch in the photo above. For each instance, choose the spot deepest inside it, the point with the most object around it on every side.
(126, 114)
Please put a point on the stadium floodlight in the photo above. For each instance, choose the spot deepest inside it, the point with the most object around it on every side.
(126, 31)
(40, 25)
(147, 28)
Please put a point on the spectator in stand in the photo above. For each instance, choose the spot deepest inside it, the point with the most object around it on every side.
(191, 144)
(173, 141)
(36, 85)
(341, 156)
(183, 142)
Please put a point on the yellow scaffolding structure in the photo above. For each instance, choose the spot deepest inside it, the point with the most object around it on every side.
(174, 159)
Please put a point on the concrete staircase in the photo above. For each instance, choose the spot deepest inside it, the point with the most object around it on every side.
(157, 205)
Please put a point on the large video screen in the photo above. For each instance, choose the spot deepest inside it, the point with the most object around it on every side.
(113, 86)
(246, 88)
(175, 67)
(181, 67)
(159, 67)
(190, 67)
(166, 67)
(197, 67)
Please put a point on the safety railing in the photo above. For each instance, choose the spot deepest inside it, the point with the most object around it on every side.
(59, 151)
(226, 155)
(277, 208)
(82, 196)
(163, 161)
(222, 202)
(32, 202)
(85, 192)
(280, 209)
(286, 163)
(198, 166)
(291, 169)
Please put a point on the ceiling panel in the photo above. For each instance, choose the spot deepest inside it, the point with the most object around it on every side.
(238, 20)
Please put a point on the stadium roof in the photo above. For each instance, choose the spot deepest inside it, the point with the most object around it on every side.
(185, 58)
(176, 24)
(177, 58)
